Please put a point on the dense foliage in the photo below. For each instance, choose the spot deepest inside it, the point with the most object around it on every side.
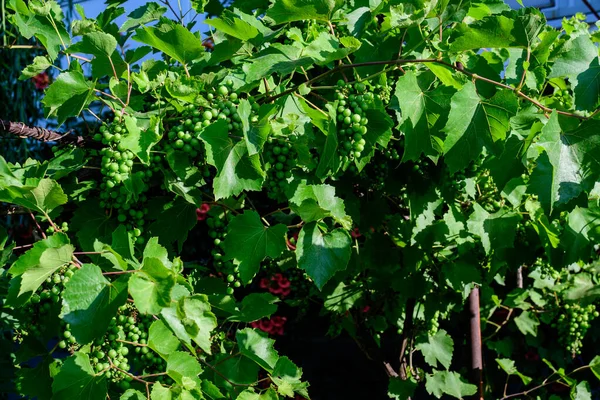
(379, 158)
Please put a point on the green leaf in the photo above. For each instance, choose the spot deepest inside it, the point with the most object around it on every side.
(595, 366)
(132, 394)
(475, 123)
(50, 32)
(172, 39)
(68, 95)
(509, 367)
(39, 65)
(142, 15)
(287, 376)
(77, 380)
(258, 347)
(91, 223)
(325, 48)
(141, 142)
(183, 367)
(248, 242)
(90, 301)
(282, 11)
(451, 383)
(37, 264)
(35, 382)
(255, 134)
(509, 29)
(198, 319)
(239, 370)
(422, 111)
(277, 58)
(527, 323)
(151, 287)
(401, 389)
(45, 196)
(321, 255)
(315, 202)
(438, 347)
(255, 306)
(99, 44)
(581, 391)
(174, 222)
(587, 90)
(496, 231)
(236, 170)
(569, 161)
(232, 25)
(162, 340)
(575, 57)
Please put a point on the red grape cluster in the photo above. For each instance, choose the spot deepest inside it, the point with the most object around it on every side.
(277, 284)
(202, 212)
(273, 326)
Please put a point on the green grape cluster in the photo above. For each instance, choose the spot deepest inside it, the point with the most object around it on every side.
(353, 102)
(573, 324)
(280, 159)
(434, 324)
(545, 269)
(123, 350)
(47, 297)
(117, 168)
(64, 227)
(383, 92)
(218, 232)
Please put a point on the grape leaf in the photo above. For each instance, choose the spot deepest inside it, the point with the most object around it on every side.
(172, 39)
(174, 222)
(43, 197)
(236, 170)
(91, 223)
(277, 58)
(151, 287)
(287, 376)
(569, 165)
(183, 368)
(248, 242)
(509, 367)
(255, 134)
(39, 65)
(142, 15)
(581, 391)
(574, 57)
(422, 111)
(321, 255)
(451, 383)
(515, 28)
(132, 394)
(52, 35)
(36, 381)
(77, 380)
(90, 301)
(527, 323)
(258, 347)
(198, 319)
(315, 202)
(475, 123)
(33, 267)
(141, 142)
(496, 231)
(161, 339)
(282, 11)
(254, 307)
(587, 89)
(325, 48)
(400, 389)
(438, 347)
(68, 95)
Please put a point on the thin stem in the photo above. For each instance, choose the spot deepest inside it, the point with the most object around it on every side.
(82, 58)
(132, 343)
(131, 271)
(310, 104)
(37, 225)
(525, 69)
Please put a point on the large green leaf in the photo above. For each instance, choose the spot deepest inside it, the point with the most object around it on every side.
(587, 90)
(90, 301)
(161, 339)
(37, 264)
(198, 319)
(184, 369)
(248, 242)
(320, 254)
(568, 165)
(172, 39)
(258, 347)
(496, 231)
(423, 113)
(451, 383)
(45, 196)
(151, 287)
(282, 11)
(437, 348)
(142, 15)
(68, 95)
(236, 170)
(50, 32)
(315, 202)
(475, 123)
(174, 222)
(139, 140)
(77, 380)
